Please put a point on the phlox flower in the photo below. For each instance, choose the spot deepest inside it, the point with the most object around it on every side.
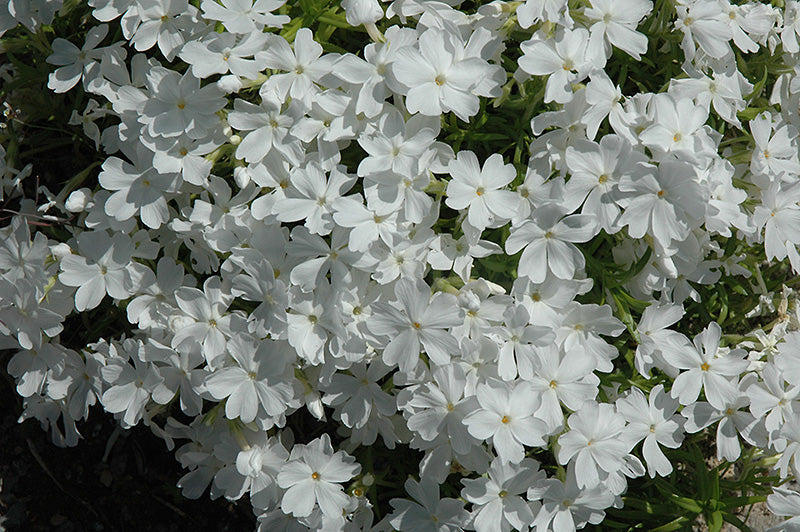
(312, 477)
(221, 53)
(506, 416)
(518, 341)
(365, 223)
(177, 104)
(596, 442)
(678, 128)
(313, 197)
(447, 253)
(568, 506)
(773, 400)
(317, 258)
(102, 267)
(581, 327)
(495, 499)
(76, 63)
(786, 503)
(653, 419)
(24, 314)
(162, 22)
(790, 33)
(416, 318)
(561, 378)
(206, 322)
(733, 422)
(184, 155)
(655, 337)
(439, 408)
(722, 89)
(257, 383)
(137, 189)
(545, 301)
(181, 374)
(268, 127)
(355, 396)
(789, 445)
(368, 75)
(665, 204)
(707, 368)
(308, 323)
(245, 17)
(616, 21)
(775, 149)
(555, 11)
(303, 63)
(258, 283)
(566, 59)
(32, 366)
(395, 144)
(604, 100)
(479, 189)
(438, 76)
(260, 464)
(548, 240)
(596, 169)
(130, 385)
(430, 513)
(704, 23)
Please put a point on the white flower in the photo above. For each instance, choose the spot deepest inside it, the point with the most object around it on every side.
(479, 189)
(416, 318)
(566, 60)
(596, 442)
(506, 416)
(101, 268)
(313, 476)
(438, 76)
(164, 22)
(177, 104)
(706, 369)
(547, 239)
(786, 503)
(258, 383)
(495, 499)
(654, 420)
(76, 63)
(431, 513)
(244, 16)
(617, 21)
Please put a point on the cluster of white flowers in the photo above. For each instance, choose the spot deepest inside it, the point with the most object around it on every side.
(264, 276)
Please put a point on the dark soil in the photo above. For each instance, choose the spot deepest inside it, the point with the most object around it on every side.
(47, 488)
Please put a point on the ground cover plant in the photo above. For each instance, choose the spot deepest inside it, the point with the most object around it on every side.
(414, 265)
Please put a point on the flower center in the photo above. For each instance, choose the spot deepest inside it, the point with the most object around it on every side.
(315, 475)
(705, 366)
(505, 420)
(439, 80)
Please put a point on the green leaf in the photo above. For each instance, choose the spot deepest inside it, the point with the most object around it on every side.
(750, 113)
(676, 524)
(715, 522)
(758, 87)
